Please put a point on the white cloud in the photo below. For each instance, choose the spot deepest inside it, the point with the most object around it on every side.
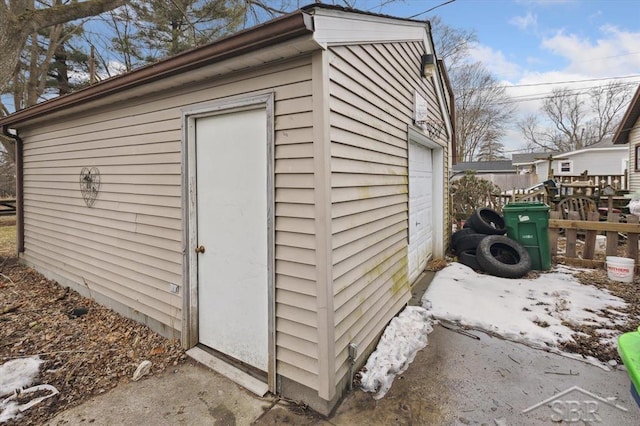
(115, 68)
(495, 61)
(525, 22)
(616, 53)
(611, 53)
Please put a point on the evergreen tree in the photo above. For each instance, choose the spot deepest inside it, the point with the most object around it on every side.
(168, 27)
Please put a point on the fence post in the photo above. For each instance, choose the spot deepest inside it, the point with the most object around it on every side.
(590, 237)
(612, 236)
(632, 239)
(572, 236)
(553, 234)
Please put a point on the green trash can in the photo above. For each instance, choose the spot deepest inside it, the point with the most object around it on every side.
(528, 224)
(629, 350)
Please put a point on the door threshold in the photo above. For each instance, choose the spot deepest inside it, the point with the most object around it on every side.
(229, 371)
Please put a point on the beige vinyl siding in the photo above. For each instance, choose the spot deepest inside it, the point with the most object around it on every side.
(372, 94)
(128, 246)
(634, 141)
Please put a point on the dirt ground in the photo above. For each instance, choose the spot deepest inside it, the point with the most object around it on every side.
(84, 354)
(587, 339)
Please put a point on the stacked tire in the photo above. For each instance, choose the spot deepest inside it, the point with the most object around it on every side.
(481, 245)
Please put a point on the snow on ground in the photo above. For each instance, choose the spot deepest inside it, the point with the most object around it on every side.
(15, 374)
(405, 335)
(537, 312)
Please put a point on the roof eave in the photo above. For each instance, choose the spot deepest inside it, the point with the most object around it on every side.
(279, 30)
(628, 121)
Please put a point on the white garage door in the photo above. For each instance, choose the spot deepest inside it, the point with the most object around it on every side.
(420, 208)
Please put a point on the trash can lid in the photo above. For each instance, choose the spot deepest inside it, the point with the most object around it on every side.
(525, 205)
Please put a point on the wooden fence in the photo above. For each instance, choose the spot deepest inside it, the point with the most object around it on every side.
(7, 207)
(522, 195)
(619, 182)
(613, 229)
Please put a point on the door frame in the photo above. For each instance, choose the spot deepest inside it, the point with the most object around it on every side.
(190, 325)
(438, 181)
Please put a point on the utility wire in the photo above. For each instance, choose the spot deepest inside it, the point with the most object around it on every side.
(544, 95)
(429, 10)
(587, 80)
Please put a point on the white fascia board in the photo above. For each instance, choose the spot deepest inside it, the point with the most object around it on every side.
(336, 27)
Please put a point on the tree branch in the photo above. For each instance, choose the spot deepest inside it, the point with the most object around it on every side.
(42, 18)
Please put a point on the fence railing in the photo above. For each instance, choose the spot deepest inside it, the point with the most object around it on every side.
(618, 182)
(7, 207)
(613, 230)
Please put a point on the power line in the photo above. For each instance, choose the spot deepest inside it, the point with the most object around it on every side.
(606, 57)
(587, 80)
(544, 95)
(569, 81)
(429, 10)
(541, 96)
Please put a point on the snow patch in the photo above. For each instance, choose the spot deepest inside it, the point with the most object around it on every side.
(405, 335)
(535, 312)
(16, 374)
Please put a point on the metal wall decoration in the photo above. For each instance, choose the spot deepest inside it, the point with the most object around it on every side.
(89, 184)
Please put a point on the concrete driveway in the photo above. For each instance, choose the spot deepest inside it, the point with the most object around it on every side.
(456, 379)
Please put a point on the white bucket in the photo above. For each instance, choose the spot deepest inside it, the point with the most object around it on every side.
(620, 268)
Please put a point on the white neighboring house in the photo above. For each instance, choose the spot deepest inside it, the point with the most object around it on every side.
(628, 137)
(601, 161)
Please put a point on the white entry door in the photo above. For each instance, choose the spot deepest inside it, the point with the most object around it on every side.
(420, 209)
(232, 214)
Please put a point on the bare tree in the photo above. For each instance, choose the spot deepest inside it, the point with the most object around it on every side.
(21, 19)
(481, 107)
(7, 176)
(451, 44)
(482, 110)
(574, 120)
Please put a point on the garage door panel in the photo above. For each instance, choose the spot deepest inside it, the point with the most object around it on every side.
(420, 208)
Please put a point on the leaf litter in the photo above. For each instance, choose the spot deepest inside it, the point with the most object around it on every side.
(85, 348)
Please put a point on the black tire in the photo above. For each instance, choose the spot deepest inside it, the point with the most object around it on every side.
(468, 258)
(458, 235)
(503, 257)
(469, 242)
(487, 221)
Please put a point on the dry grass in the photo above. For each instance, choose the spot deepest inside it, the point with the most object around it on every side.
(7, 236)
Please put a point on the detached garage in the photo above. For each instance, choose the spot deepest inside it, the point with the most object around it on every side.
(268, 199)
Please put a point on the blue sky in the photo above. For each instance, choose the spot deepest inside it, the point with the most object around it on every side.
(532, 46)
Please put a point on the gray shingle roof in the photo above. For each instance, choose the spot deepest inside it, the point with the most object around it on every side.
(530, 157)
(494, 166)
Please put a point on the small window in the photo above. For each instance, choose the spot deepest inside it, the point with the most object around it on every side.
(566, 166)
(637, 158)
